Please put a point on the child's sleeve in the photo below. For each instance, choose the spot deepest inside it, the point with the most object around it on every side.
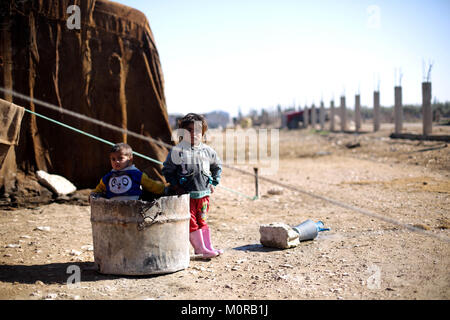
(216, 169)
(151, 185)
(101, 188)
(169, 170)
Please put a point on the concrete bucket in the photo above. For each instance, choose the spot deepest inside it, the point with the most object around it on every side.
(134, 237)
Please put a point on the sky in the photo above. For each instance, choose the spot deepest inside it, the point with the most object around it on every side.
(256, 54)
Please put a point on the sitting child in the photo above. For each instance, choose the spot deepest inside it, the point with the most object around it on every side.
(124, 181)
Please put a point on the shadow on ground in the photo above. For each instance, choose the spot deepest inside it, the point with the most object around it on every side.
(256, 248)
(56, 273)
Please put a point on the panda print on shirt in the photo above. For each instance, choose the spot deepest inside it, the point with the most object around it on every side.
(120, 184)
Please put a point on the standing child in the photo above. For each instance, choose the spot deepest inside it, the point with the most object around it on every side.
(124, 181)
(193, 167)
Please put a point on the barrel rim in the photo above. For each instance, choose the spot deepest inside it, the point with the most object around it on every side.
(148, 212)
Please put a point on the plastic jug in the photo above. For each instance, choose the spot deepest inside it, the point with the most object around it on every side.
(309, 229)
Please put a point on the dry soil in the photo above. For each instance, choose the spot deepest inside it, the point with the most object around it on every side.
(361, 257)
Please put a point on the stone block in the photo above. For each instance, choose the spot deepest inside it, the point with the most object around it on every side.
(57, 184)
(278, 235)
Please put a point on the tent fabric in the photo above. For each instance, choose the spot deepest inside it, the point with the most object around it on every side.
(10, 121)
(108, 69)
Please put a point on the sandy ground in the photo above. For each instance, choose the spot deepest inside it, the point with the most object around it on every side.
(361, 257)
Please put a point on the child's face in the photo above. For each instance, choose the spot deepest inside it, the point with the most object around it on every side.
(195, 132)
(120, 160)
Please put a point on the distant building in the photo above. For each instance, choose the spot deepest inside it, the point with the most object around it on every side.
(217, 119)
(291, 119)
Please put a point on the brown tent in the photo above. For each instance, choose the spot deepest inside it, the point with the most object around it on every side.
(107, 69)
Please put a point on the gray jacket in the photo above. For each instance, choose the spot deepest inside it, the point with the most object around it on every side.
(193, 168)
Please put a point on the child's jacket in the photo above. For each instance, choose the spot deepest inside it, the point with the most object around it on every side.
(193, 168)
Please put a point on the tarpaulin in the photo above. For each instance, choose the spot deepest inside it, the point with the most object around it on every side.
(10, 121)
(108, 69)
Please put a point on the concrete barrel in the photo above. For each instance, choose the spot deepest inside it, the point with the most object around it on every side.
(134, 237)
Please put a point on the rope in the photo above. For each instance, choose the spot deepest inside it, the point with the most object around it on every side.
(359, 210)
(349, 207)
(237, 192)
(112, 127)
(111, 144)
(94, 121)
(85, 118)
(88, 134)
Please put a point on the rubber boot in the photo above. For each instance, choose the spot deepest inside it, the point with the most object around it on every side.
(207, 241)
(196, 239)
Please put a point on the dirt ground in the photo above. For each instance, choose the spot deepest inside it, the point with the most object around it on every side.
(361, 257)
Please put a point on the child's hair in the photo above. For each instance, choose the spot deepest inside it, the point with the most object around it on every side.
(184, 122)
(123, 148)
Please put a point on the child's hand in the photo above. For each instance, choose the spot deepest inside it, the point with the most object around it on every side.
(94, 195)
(211, 187)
